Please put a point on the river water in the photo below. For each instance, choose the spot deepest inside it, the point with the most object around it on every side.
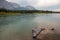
(19, 27)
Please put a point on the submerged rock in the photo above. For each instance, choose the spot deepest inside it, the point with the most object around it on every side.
(46, 34)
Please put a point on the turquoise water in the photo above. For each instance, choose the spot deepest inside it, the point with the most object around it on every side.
(19, 27)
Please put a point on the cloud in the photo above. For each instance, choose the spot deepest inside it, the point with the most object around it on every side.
(57, 10)
(53, 7)
(14, 1)
(39, 4)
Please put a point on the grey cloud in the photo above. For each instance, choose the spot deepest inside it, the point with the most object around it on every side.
(54, 7)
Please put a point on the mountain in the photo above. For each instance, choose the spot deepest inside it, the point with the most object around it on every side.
(30, 8)
(13, 6)
(8, 5)
(26, 8)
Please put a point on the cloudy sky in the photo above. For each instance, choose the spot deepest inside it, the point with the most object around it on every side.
(40, 4)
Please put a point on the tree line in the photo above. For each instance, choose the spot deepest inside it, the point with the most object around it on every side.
(27, 11)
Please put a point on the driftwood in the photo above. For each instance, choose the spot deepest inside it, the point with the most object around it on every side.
(48, 35)
(35, 37)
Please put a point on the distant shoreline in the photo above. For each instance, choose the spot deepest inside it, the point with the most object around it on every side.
(4, 12)
(27, 11)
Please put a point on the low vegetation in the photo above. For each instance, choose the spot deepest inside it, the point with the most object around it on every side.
(15, 12)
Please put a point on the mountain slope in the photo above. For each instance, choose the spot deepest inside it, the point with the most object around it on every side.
(8, 5)
(30, 8)
(13, 6)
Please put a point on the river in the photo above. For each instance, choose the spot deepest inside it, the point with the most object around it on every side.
(19, 27)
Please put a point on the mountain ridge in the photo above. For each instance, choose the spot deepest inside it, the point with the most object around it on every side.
(14, 6)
